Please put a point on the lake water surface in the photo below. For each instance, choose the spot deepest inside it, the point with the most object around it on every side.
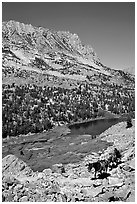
(94, 127)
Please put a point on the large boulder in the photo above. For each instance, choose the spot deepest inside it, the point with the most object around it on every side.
(14, 166)
(129, 154)
(132, 164)
(58, 168)
(116, 182)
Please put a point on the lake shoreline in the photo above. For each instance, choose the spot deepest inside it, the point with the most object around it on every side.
(91, 120)
(71, 125)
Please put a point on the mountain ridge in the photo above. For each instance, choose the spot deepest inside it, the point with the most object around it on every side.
(66, 36)
(54, 53)
(47, 33)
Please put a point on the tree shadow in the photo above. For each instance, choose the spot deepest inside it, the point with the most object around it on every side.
(103, 175)
(94, 178)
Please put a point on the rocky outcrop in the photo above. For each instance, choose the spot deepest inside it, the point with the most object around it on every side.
(11, 165)
(45, 40)
(73, 182)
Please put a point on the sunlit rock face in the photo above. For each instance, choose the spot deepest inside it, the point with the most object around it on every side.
(41, 52)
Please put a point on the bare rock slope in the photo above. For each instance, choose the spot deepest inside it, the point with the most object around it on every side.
(43, 56)
(73, 182)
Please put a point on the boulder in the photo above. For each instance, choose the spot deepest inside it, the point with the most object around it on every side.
(16, 199)
(131, 197)
(116, 182)
(132, 164)
(123, 193)
(47, 172)
(93, 192)
(41, 175)
(14, 166)
(73, 176)
(129, 154)
(128, 168)
(58, 168)
(85, 175)
(9, 181)
(8, 196)
(61, 198)
(23, 199)
(105, 182)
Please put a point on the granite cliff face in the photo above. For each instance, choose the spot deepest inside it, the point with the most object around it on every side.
(34, 54)
(44, 40)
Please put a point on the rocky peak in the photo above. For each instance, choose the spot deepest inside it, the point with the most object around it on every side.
(17, 26)
(51, 40)
(59, 54)
(73, 39)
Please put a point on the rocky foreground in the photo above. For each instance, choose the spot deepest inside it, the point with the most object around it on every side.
(73, 182)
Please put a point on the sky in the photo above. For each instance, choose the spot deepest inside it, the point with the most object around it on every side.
(109, 27)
